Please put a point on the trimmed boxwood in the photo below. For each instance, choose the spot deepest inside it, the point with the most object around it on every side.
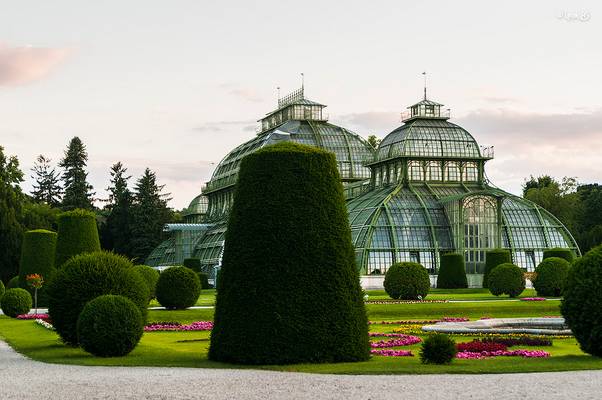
(77, 234)
(582, 302)
(289, 291)
(438, 349)
(85, 277)
(15, 302)
(507, 279)
(1, 289)
(178, 288)
(493, 258)
(452, 272)
(407, 281)
(110, 326)
(193, 263)
(550, 276)
(37, 257)
(151, 276)
(204, 278)
(13, 283)
(567, 254)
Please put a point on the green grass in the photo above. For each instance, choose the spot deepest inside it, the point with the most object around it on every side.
(454, 294)
(189, 349)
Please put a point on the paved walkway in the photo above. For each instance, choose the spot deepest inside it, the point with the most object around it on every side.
(22, 378)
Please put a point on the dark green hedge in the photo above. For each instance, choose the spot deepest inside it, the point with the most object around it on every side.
(77, 234)
(289, 288)
(178, 288)
(15, 302)
(582, 303)
(85, 277)
(204, 278)
(151, 276)
(452, 272)
(13, 283)
(407, 281)
(2, 289)
(193, 263)
(438, 349)
(110, 326)
(37, 257)
(550, 276)
(567, 254)
(493, 258)
(507, 279)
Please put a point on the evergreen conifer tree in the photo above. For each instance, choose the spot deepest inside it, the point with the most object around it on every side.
(78, 192)
(117, 230)
(47, 188)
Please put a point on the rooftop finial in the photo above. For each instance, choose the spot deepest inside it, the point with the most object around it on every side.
(278, 90)
(424, 74)
(302, 81)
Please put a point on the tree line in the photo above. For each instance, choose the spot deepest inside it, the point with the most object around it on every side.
(130, 220)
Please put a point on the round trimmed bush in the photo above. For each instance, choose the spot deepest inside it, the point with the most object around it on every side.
(507, 279)
(151, 276)
(85, 277)
(13, 283)
(204, 278)
(193, 263)
(493, 258)
(37, 257)
(110, 326)
(438, 349)
(407, 281)
(77, 234)
(15, 302)
(289, 284)
(550, 276)
(582, 302)
(567, 254)
(452, 273)
(178, 288)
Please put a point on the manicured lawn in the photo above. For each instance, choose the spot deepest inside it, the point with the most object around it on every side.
(189, 349)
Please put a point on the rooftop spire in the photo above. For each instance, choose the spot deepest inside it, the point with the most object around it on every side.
(302, 81)
(424, 74)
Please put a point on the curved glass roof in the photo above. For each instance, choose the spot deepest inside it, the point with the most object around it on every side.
(198, 206)
(436, 138)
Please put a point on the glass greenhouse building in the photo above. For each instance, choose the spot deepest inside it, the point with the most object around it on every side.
(422, 193)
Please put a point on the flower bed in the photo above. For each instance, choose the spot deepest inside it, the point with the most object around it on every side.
(407, 340)
(520, 341)
(421, 322)
(34, 316)
(532, 299)
(384, 301)
(476, 346)
(506, 353)
(392, 353)
(45, 324)
(176, 326)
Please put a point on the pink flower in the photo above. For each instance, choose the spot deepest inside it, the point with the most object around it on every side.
(405, 341)
(392, 353)
(503, 353)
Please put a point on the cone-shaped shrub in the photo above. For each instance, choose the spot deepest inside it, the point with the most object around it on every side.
(77, 234)
(193, 263)
(582, 303)
(37, 257)
(13, 283)
(85, 277)
(452, 273)
(151, 276)
(407, 281)
(567, 254)
(550, 276)
(15, 302)
(178, 288)
(493, 258)
(110, 326)
(289, 290)
(507, 279)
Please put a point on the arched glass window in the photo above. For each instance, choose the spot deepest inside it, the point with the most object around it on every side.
(470, 173)
(480, 231)
(416, 171)
(433, 172)
(452, 171)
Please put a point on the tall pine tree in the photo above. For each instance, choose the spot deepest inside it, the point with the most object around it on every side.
(11, 210)
(150, 215)
(46, 187)
(117, 229)
(78, 192)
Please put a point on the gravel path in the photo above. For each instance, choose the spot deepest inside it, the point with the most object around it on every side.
(22, 378)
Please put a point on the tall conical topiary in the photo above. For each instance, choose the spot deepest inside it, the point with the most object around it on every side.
(452, 273)
(289, 288)
(493, 258)
(77, 234)
(37, 257)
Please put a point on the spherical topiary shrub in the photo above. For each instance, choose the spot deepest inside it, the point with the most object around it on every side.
(438, 349)
(85, 277)
(37, 257)
(13, 283)
(15, 302)
(452, 273)
(567, 254)
(193, 263)
(407, 281)
(204, 278)
(493, 258)
(178, 288)
(550, 276)
(289, 284)
(582, 302)
(77, 234)
(151, 276)
(110, 326)
(507, 279)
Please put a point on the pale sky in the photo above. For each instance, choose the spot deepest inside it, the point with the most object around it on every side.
(174, 85)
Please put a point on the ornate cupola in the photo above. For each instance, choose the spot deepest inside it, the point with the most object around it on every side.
(293, 107)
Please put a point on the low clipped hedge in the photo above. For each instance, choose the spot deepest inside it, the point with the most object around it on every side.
(582, 302)
(452, 272)
(507, 279)
(77, 234)
(493, 258)
(438, 349)
(550, 276)
(13, 283)
(37, 257)
(193, 263)
(567, 254)
(85, 277)
(15, 302)
(178, 288)
(151, 276)
(407, 281)
(110, 326)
